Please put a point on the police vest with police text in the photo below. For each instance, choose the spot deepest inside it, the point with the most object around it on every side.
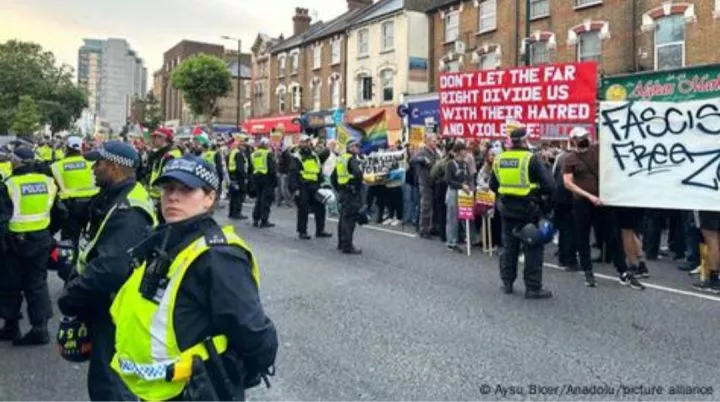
(512, 170)
(75, 177)
(33, 196)
(147, 357)
(136, 198)
(259, 160)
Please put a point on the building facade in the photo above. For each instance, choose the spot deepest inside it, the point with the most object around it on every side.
(89, 71)
(260, 85)
(228, 105)
(622, 36)
(385, 61)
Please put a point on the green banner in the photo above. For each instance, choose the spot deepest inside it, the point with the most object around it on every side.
(692, 83)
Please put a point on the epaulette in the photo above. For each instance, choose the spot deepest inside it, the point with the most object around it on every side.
(214, 236)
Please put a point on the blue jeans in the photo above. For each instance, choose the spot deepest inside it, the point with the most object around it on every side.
(411, 203)
(452, 223)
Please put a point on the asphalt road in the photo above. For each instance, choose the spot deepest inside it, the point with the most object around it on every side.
(410, 320)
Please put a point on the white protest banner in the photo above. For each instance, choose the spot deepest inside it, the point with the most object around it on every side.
(660, 154)
(382, 162)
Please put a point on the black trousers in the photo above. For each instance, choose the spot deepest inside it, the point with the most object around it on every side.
(263, 202)
(587, 216)
(24, 272)
(102, 381)
(439, 209)
(509, 258)
(237, 198)
(78, 215)
(564, 222)
(350, 205)
(426, 209)
(305, 202)
(394, 202)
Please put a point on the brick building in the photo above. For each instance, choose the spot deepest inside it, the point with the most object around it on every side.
(261, 74)
(622, 35)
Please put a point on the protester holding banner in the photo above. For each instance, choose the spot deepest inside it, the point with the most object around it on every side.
(521, 181)
(582, 179)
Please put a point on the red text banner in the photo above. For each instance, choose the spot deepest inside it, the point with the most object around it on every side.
(549, 100)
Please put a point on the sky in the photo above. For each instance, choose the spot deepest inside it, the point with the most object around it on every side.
(151, 26)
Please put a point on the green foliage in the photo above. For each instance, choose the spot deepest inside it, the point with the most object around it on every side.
(152, 118)
(26, 120)
(29, 70)
(203, 79)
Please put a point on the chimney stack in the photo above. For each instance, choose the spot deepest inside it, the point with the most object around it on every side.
(301, 20)
(357, 4)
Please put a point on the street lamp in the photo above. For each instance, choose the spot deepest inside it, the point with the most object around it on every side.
(239, 83)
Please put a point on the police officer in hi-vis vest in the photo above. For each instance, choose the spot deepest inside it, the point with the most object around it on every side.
(28, 203)
(191, 308)
(348, 179)
(264, 180)
(164, 151)
(120, 215)
(238, 169)
(304, 180)
(520, 179)
(76, 184)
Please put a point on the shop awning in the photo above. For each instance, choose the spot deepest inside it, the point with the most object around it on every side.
(288, 124)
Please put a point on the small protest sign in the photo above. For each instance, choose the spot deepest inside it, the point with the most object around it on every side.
(382, 162)
(466, 206)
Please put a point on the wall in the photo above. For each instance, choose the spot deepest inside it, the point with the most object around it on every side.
(418, 27)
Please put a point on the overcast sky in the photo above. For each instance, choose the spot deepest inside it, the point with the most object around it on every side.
(151, 26)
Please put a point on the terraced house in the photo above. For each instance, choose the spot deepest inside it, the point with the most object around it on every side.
(622, 36)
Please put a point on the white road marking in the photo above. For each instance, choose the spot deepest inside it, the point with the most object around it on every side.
(379, 229)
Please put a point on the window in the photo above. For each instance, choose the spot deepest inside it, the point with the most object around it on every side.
(388, 36)
(589, 47)
(281, 101)
(670, 42)
(294, 58)
(452, 26)
(387, 82)
(580, 3)
(281, 65)
(453, 67)
(487, 16)
(539, 8)
(335, 89)
(489, 61)
(316, 95)
(364, 88)
(336, 52)
(539, 53)
(296, 94)
(363, 44)
(317, 57)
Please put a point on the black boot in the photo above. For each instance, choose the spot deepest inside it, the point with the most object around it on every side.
(538, 294)
(10, 331)
(36, 336)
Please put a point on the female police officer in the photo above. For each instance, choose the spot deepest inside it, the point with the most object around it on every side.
(194, 293)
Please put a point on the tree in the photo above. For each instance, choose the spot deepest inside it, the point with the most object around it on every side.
(64, 107)
(152, 118)
(26, 119)
(203, 79)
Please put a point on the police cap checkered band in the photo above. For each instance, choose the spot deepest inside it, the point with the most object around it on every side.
(117, 152)
(192, 171)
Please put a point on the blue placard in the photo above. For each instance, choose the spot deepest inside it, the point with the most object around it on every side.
(419, 112)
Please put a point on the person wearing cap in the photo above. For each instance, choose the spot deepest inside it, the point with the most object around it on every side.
(304, 181)
(76, 182)
(194, 289)
(581, 177)
(264, 180)
(120, 214)
(238, 169)
(522, 182)
(348, 180)
(164, 151)
(28, 206)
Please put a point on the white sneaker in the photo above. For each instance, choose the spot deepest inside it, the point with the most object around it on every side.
(695, 271)
(521, 259)
(387, 222)
(395, 222)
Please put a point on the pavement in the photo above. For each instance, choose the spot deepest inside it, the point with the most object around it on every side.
(409, 320)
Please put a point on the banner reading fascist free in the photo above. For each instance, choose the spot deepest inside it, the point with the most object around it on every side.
(550, 100)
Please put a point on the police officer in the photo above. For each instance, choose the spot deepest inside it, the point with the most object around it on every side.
(5, 164)
(162, 140)
(44, 151)
(347, 178)
(121, 214)
(264, 180)
(194, 292)
(237, 171)
(304, 180)
(27, 203)
(520, 178)
(76, 183)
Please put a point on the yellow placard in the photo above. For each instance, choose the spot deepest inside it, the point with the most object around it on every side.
(465, 200)
(485, 197)
(416, 135)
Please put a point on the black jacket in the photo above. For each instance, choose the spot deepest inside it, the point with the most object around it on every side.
(295, 181)
(89, 295)
(240, 175)
(456, 174)
(356, 179)
(269, 179)
(219, 296)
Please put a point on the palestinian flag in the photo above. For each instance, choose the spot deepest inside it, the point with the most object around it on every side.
(200, 135)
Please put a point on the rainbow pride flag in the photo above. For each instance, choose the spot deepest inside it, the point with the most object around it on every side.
(372, 133)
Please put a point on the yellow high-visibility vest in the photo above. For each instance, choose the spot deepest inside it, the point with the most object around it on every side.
(342, 170)
(157, 171)
(75, 177)
(260, 161)
(148, 358)
(5, 170)
(310, 169)
(512, 170)
(32, 195)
